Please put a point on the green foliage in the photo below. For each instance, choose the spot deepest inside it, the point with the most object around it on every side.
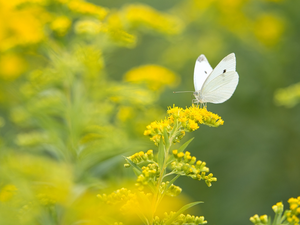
(79, 81)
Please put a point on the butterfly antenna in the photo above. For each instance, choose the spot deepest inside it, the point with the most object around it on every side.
(176, 92)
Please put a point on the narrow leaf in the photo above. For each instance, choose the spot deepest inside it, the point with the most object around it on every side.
(183, 147)
(136, 168)
(161, 153)
(187, 206)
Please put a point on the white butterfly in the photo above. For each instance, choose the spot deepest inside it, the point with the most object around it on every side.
(215, 86)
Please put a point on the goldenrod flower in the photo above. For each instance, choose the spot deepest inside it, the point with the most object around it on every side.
(184, 120)
(278, 208)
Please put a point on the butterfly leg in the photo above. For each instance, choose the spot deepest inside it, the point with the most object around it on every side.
(194, 101)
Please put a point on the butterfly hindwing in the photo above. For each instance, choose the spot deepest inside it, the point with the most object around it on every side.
(220, 88)
(201, 72)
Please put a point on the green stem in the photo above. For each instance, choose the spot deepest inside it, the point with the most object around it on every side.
(157, 199)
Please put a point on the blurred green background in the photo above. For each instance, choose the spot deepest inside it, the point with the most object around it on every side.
(67, 96)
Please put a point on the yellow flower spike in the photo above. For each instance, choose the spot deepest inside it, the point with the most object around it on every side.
(198, 163)
(175, 153)
(147, 132)
(293, 201)
(255, 219)
(193, 160)
(186, 119)
(293, 206)
(180, 155)
(150, 154)
(278, 208)
(264, 219)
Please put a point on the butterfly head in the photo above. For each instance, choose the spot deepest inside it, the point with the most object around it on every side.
(198, 97)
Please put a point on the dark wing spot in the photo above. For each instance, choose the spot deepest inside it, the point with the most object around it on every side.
(205, 72)
(224, 71)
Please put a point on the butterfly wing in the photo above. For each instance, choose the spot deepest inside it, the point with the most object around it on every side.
(201, 72)
(221, 88)
(227, 64)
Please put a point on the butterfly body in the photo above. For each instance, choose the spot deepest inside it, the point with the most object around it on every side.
(215, 85)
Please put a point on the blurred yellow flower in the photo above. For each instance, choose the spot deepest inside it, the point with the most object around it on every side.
(11, 66)
(289, 96)
(231, 4)
(131, 95)
(61, 25)
(87, 8)
(48, 180)
(125, 113)
(145, 16)
(156, 77)
(20, 26)
(7, 192)
(87, 27)
(268, 29)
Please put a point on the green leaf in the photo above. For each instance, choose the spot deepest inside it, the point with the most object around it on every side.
(137, 170)
(161, 153)
(183, 147)
(187, 206)
(166, 138)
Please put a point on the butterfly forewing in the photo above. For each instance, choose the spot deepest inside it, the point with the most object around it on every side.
(220, 88)
(201, 72)
(226, 65)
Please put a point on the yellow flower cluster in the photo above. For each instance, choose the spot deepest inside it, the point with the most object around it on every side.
(289, 96)
(171, 190)
(145, 16)
(140, 157)
(125, 201)
(189, 219)
(291, 215)
(259, 220)
(149, 175)
(120, 195)
(181, 219)
(180, 121)
(155, 77)
(278, 208)
(187, 165)
(294, 212)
